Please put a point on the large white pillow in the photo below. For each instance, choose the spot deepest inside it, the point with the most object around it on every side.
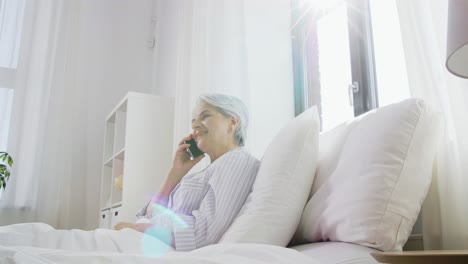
(273, 209)
(372, 176)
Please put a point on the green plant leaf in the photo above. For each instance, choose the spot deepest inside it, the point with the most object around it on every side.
(4, 172)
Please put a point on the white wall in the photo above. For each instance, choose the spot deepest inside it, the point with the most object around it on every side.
(166, 48)
(112, 59)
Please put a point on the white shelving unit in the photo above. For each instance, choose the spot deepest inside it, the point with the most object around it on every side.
(137, 146)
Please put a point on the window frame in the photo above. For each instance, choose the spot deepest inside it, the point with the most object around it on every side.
(361, 51)
(362, 56)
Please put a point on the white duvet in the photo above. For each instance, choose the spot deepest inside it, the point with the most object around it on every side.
(40, 243)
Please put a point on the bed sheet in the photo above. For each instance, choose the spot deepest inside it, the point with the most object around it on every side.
(219, 253)
(337, 253)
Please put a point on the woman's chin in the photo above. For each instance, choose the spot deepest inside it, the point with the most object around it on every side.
(201, 146)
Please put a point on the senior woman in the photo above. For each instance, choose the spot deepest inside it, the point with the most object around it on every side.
(190, 210)
(207, 201)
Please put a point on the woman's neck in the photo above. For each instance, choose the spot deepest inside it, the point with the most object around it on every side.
(215, 155)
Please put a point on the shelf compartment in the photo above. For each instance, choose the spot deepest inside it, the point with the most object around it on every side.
(109, 139)
(117, 170)
(118, 204)
(120, 128)
(120, 155)
(106, 191)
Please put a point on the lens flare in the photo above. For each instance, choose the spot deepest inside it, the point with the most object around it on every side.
(157, 242)
(161, 210)
(160, 237)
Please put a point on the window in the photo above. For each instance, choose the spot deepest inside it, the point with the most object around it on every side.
(333, 47)
(6, 100)
(389, 56)
(11, 18)
(347, 57)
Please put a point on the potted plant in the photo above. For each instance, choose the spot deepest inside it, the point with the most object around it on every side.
(6, 162)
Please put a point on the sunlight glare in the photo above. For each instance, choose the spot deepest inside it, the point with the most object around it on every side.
(334, 67)
(392, 79)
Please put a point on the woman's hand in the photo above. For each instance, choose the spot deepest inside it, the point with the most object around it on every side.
(138, 227)
(180, 166)
(182, 162)
(141, 227)
(122, 225)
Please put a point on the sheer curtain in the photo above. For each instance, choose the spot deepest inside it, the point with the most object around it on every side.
(445, 211)
(47, 127)
(11, 14)
(242, 48)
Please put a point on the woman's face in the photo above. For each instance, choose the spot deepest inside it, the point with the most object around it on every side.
(213, 132)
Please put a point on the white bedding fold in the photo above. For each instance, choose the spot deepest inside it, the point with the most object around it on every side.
(36, 243)
(219, 253)
(44, 236)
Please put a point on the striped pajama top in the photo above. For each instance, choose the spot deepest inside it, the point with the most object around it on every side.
(204, 204)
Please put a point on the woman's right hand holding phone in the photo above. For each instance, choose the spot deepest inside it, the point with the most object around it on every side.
(182, 162)
(180, 166)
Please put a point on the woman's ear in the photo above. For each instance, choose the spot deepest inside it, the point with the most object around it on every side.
(234, 123)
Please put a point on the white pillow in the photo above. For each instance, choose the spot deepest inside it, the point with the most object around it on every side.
(372, 176)
(273, 209)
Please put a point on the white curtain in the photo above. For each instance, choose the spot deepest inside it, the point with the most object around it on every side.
(242, 48)
(445, 211)
(47, 134)
(11, 14)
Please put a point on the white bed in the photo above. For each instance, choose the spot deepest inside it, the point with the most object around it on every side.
(315, 253)
(370, 177)
(40, 243)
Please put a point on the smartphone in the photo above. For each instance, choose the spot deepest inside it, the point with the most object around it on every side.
(193, 149)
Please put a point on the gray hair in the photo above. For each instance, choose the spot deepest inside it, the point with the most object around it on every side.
(232, 107)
